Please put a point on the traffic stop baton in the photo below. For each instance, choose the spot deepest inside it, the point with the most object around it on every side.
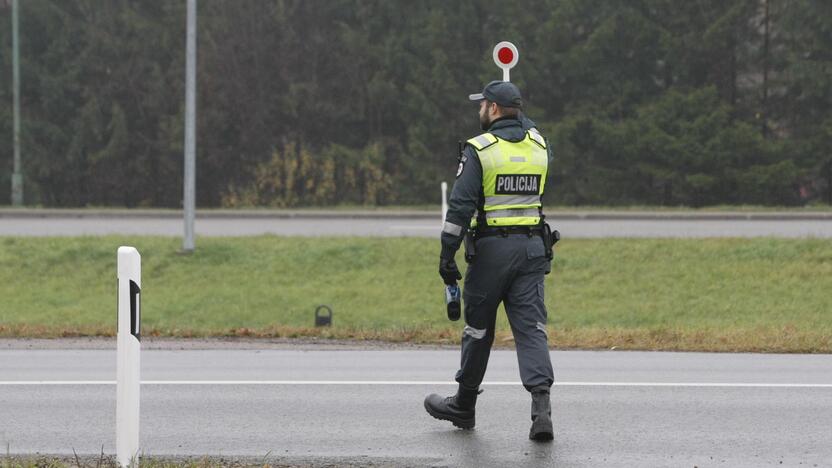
(506, 56)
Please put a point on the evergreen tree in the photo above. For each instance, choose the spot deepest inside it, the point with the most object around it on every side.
(363, 101)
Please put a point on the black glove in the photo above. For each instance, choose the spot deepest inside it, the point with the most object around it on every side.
(449, 271)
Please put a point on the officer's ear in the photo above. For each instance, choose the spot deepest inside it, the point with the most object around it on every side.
(493, 108)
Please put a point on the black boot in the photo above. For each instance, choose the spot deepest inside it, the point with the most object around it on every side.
(541, 415)
(458, 409)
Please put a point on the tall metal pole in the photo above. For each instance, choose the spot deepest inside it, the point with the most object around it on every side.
(17, 175)
(190, 130)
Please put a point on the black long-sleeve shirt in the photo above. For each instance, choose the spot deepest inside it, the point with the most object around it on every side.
(467, 193)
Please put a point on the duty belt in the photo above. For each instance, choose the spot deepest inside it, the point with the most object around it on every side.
(505, 231)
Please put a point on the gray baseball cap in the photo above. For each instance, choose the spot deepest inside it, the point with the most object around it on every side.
(502, 92)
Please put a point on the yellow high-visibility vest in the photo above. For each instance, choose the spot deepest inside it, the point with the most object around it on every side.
(513, 178)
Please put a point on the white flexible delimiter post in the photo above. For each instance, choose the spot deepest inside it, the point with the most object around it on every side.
(129, 346)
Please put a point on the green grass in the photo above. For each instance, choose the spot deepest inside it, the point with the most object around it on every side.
(704, 209)
(108, 461)
(715, 294)
(814, 208)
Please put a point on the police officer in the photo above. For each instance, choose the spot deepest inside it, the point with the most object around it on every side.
(500, 180)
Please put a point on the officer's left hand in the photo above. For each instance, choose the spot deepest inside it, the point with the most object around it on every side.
(449, 271)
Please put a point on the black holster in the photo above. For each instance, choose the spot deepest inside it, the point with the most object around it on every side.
(470, 245)
(550, 238)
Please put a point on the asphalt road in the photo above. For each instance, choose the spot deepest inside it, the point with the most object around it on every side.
(570, 227)
(327, 405)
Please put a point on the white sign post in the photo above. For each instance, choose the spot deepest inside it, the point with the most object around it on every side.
(506, 56)
(444, 202)
(129, 346)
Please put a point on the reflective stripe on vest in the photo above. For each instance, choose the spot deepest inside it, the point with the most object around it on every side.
(513, 178)
(483, 141)
(537, 137)
(512, 200)
(516, 213)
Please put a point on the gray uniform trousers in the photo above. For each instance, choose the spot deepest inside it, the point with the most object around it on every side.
(508, 270)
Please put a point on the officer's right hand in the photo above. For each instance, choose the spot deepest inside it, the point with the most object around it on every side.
(449, 271)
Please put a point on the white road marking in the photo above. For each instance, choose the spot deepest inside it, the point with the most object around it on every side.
(415, 228)
(425, 382)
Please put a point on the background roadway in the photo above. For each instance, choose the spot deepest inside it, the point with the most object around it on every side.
(404, 224)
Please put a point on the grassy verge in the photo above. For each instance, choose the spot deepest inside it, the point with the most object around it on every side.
(569, 208)
(268, 461)
(819, 208)
(689, 209)
(108, 461)
(769, 295)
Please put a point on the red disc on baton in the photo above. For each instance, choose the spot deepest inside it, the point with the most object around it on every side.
(505, 55)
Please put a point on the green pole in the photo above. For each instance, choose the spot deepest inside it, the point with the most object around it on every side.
(17, 176)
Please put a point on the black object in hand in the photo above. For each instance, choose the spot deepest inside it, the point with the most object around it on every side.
(452, 300)
(449, 271)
